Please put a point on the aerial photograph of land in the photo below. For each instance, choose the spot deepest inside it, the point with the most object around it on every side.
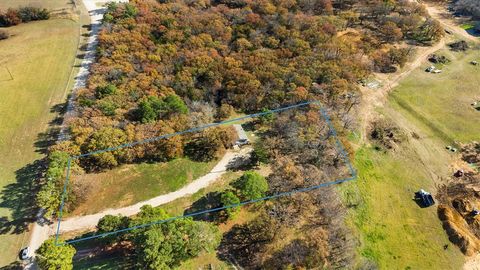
(240, 134)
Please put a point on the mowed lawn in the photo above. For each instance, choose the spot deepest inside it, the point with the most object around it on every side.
(39, 57)
(395, 233)
(129, 184)
(442, 102)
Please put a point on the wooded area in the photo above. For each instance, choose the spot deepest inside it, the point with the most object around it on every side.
(166, 66)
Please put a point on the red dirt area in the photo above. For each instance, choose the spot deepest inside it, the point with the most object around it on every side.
(459, 201)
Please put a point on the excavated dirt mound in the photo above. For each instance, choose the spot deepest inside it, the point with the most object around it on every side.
(458, 230)
(459, 201)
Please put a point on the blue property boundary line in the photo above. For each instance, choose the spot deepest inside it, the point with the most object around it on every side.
(332, 131)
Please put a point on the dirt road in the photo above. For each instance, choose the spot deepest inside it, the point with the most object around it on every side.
(90, 221)
(376, 98)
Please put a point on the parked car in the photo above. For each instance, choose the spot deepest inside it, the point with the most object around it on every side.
(242, 142)
(424, 198)
(24, 253)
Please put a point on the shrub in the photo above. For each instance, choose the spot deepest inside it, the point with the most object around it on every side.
(25, 14)
(111, 223)
(205, 147)
(107, 107)
(9, 18)
(260, 154)
(175, 104)
(85, 102)
(154, 108)
(229, 198)
(28, 14)
(52, 256)
(224, 111)
(251, 185)
(458, 46)
(387, 134)
(107, 90)
(3, 35)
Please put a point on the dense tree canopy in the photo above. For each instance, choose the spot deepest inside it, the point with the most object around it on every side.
(251, 185)
(164, 245)
(165, 66)
(55, 257)
(468, 7)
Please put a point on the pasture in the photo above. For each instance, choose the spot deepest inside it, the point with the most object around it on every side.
(394, 232)
(442, 103)
(433, 110)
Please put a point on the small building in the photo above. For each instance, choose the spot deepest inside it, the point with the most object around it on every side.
(475, 63)
(242, 136)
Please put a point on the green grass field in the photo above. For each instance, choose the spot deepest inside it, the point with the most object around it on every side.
(130, 184)
(442, 102)
(39, 56)
(395, 233)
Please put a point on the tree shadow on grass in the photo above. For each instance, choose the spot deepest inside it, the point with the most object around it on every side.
(207, 202)
(19, 198)
(47, 139)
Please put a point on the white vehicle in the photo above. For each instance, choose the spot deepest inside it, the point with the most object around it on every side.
(24, 253)
(242, 142)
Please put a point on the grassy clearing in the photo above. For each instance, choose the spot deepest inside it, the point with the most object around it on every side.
(130, 184)
(395, 232)
(467, 26)
(40, 57)
(177, 208)
(442, 102)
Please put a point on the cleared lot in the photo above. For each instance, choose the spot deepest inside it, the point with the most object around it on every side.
(442, 102)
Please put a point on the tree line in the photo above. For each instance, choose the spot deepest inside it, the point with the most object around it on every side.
(11, 17)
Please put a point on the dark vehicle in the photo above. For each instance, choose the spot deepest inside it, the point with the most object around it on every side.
(424, 198)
